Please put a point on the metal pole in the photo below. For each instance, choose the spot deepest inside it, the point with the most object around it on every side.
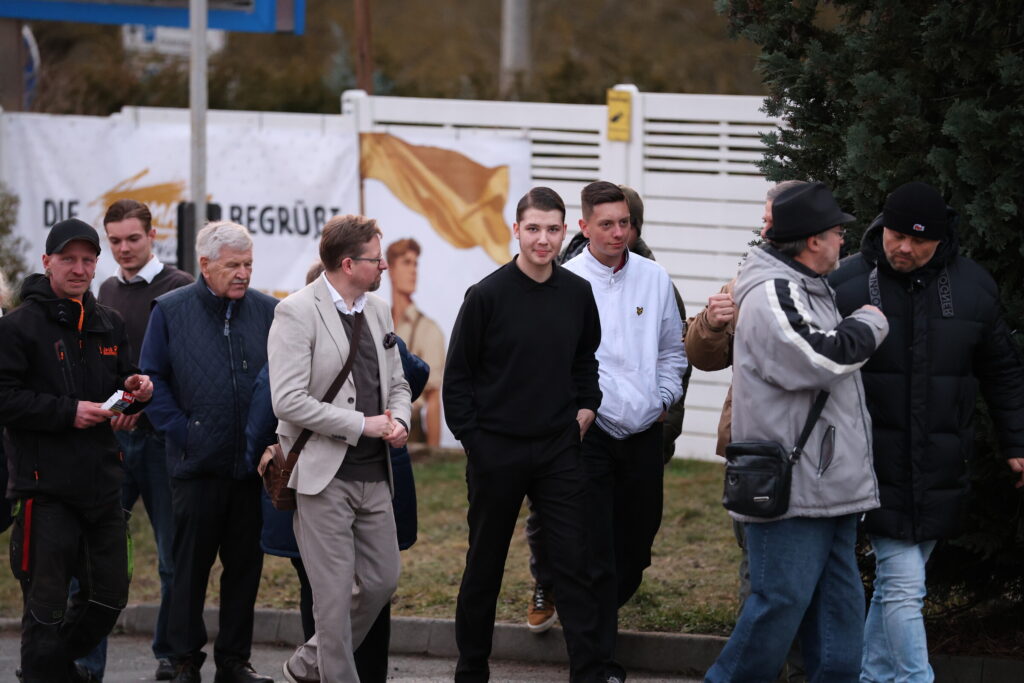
(515, 47)
(197, 97)
(12, 65)
(364, 46)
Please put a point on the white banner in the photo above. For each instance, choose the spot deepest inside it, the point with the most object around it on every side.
(282, 176)
(282, 182)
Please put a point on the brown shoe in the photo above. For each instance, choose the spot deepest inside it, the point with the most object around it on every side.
(541, 616)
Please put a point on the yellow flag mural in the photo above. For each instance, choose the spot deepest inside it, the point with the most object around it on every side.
(463, 200)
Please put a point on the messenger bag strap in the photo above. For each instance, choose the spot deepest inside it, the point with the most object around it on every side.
(812, 418)
(346, 369)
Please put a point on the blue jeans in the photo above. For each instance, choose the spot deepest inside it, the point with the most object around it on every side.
(895, 644)
(803, 580)
(145, 466)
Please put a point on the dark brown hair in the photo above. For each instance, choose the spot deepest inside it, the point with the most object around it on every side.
(542, 199)
(123, 209)
(601, 192)
(314, 271)
(399, 247)
(343, 237)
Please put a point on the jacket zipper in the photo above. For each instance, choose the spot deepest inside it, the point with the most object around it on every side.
(863, 404)
(910, 503)
(65, 366)
(234, 384)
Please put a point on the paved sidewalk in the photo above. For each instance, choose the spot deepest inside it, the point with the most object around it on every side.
(424, 650)
(130, 659)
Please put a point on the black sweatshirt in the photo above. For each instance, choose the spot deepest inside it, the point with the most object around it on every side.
(134, 301)
(521, 357)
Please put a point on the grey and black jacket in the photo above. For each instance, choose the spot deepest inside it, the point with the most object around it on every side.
(791, 342)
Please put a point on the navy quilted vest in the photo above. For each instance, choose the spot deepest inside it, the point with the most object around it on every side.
(217, 348)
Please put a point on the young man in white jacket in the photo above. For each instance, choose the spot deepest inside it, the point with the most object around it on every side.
(641, 364)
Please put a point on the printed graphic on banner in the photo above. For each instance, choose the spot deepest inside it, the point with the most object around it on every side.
(463, 200)
(446, 205)
(282, 183)
(162, 200)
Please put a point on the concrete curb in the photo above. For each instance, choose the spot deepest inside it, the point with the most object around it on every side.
(683, 654)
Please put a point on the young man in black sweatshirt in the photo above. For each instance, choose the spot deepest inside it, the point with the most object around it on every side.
(520, 389)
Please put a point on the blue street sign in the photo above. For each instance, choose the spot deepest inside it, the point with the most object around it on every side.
(253, 16)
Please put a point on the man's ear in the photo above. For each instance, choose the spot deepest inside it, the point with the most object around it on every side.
(584, 229)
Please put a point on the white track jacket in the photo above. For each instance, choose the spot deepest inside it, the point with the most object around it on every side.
(641, 358)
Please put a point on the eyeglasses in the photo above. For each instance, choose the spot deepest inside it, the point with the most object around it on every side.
(374, 261)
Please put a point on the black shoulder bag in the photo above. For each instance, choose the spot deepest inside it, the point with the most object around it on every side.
(758, 474)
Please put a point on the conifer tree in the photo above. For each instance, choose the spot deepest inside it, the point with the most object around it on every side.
(875, 93)
(12, 247)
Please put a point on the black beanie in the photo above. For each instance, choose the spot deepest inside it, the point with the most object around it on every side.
(916, 209)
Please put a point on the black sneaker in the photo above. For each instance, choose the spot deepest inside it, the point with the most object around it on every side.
(234, 671)
(186, 672)
(79, 674)
(164, 669)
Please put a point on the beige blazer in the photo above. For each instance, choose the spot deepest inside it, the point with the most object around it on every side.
(306, 349)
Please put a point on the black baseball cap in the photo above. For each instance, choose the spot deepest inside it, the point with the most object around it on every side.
(67, 231)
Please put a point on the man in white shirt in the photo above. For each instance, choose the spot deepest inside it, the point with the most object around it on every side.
(641, 364)
(141, 277)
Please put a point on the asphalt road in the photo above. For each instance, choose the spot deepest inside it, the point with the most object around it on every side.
(130, 659)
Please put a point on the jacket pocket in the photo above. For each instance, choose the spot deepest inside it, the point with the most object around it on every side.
(21, 539)
(826, 454)
(200, 423)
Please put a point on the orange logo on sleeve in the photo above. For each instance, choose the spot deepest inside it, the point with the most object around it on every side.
(109, 350)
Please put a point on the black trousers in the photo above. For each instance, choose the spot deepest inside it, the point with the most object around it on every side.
(625, 479)
(500, 471)
(62, 541)
(215, 516)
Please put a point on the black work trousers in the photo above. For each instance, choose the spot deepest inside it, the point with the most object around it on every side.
(500, 471)
(215, 516)
(625, 480)
(51, 543)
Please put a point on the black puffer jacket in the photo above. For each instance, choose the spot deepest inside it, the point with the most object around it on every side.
(53, 353)
(946, 335)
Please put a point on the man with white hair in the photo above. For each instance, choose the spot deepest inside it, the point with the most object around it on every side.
(205, 345)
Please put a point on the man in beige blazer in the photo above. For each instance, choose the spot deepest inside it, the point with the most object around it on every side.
(344, 523)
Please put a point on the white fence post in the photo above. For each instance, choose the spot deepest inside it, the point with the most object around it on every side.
(356, 103)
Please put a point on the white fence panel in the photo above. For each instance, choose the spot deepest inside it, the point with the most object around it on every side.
(693, 158)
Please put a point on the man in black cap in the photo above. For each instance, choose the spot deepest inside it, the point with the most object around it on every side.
(948, 335)
(63, 356)
(791, 345)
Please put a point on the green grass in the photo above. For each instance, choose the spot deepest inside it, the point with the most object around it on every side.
(690, 587)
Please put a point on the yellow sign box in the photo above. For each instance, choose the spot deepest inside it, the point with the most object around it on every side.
(620, 108)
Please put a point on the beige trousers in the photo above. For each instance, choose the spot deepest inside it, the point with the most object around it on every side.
(347, 539)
